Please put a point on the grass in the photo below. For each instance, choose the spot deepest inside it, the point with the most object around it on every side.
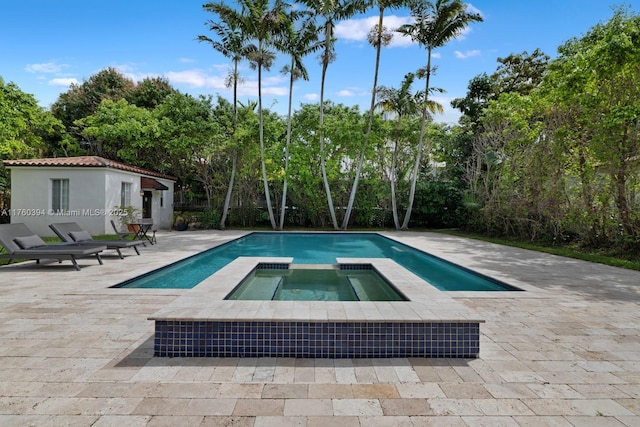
(584, 254)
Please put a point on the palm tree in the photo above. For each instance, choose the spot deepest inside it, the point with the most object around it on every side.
(401, 103)
(378, 37)
(297, 42)
(330, 11)
(435, 24)
(263, 25)
(230, 43)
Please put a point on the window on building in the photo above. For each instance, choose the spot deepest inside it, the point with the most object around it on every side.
(125, 194)
(60, 195)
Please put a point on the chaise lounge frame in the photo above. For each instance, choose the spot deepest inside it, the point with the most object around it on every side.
(55, 251)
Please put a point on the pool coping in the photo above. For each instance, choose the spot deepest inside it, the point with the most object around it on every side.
(205, 302)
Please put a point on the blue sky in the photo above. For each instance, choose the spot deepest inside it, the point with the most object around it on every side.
(46, 45)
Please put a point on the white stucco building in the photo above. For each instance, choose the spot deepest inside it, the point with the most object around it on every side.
(87, 190)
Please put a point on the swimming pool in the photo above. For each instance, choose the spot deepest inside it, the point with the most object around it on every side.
(317, 248)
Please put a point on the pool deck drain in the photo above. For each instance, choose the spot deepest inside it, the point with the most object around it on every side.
(201, 323)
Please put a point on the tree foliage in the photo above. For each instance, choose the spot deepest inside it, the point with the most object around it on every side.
(82, 100)
(521, 72)
(557, 156)
(26, 131)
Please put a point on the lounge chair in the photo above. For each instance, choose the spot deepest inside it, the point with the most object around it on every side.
(21, 243)
(72, 232)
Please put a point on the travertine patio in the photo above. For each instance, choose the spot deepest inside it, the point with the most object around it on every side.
(566, 352)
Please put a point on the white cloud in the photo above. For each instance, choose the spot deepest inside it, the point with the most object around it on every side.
(63, 82)
(353, 91)
(463, 34)
(273, 91)
(357, 29)
(271, 86)
(467, 54)
(311, 96)
(400, 40)
(196, 78)
(125, 68)
(275, 80)
(47, 67)
(187, 60)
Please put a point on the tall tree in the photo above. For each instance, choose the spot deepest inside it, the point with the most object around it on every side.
(329, 12)
(150, 92)
(81, 100)
(26, 131)
(25, 127)
(123, 132)
(297, 43)
(231, 42)
(263, 23)
(435, 24)
(190, 138)
(480, 90)
(378, 36)
(520, 72)
(401, 103)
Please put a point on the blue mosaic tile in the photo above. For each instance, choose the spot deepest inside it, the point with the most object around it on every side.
(272, 266)
(356, 267)
(316, 339)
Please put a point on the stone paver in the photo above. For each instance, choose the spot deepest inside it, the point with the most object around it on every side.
(565, 352)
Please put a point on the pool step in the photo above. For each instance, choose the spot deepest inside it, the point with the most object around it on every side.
(358, 288)
(264, 288)
(277, 288)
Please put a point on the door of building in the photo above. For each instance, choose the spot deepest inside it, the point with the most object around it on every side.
(146, 204)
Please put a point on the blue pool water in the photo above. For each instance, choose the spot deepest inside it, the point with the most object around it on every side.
(316, 248)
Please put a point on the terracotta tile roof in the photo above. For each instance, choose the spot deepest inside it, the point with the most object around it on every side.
(84, 161)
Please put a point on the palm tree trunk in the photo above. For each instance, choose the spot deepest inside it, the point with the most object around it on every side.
(393, 177)
(356, 180)
(227, 199)
(416, 166)
(234, 154)
(283, 207)
(323, 166)
(262, 155)
(394, 203)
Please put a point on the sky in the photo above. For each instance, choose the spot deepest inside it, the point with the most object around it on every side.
(47, 45)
